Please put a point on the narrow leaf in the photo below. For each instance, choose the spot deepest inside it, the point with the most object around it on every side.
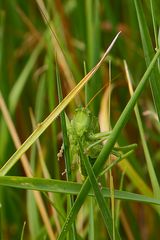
(66, 187)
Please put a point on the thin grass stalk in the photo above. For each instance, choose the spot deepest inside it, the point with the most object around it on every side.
(91, 235)
(66, 152)
(51, 93)
(118, 203)
(154, 23)
(106, 213)
(22, 234)
(152, 174)
(148, 54)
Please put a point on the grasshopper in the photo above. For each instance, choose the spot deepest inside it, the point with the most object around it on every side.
(84, 127)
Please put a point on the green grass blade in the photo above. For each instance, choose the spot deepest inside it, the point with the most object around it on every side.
(152, 174)
(108, 147)
(118, 203)
(64, 130)
(53, 115)
(113, 163)
(70, 201)
(3, 130)
(91, 234)
(65, 187)
(93, 49)
(22, 234)
(33, 220)
(152, 4)
(20, 83)
(135, 178)
(51, 93)
(32, 210)
(40, 99)
(106, 213)
(2, 21)
(148, 53)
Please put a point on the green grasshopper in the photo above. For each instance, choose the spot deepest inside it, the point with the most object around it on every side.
(84, 127)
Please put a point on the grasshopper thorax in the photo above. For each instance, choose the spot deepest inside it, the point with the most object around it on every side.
(82, 128)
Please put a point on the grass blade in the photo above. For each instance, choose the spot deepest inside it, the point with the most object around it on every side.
(22, 234)
(70, 199)
(53, 115)
(66, 187)
(107, 217)
(148, 53)
(19, 85)
(152, 174)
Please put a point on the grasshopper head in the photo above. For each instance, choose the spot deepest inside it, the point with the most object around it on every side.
(81, 121)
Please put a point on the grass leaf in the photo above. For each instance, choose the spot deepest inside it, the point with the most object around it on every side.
(106, 213)
(148, 53)
(66, 187)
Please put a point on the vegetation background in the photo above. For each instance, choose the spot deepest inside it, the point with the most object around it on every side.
(29, 52)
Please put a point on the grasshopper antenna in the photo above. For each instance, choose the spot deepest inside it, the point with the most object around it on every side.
(106, 85)
(96, 95)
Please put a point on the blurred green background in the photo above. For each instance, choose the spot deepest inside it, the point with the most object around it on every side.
(28, 52)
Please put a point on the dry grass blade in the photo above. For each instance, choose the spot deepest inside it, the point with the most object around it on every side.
(53, 115)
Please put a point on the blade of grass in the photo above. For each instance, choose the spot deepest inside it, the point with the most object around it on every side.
(70, 199)
(148, 53)
(32, 210)
(118, 203)
(64, 130)
(91, 235)
(46, 174)
(111, 184)
(22, 234)
(115, 229)
(3, 130)
(51, 93)
(20, 82)
(108, 147)
(154, 22)
(66, 187)
(2, 21)
(33, 219)
(152, 174)
(53, 115)
(131, 173)
(106, 213)
(93, 50)
(1, 218)
(135, 178)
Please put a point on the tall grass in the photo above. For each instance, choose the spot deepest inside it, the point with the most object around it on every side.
(43, 48)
